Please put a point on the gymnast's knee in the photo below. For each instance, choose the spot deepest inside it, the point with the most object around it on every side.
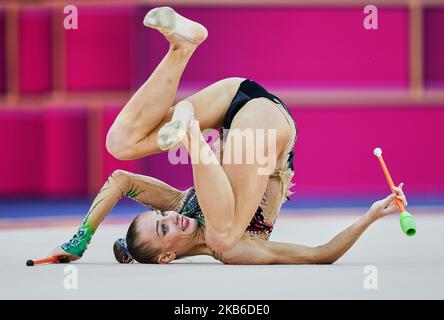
(115, 145)
(220, 242)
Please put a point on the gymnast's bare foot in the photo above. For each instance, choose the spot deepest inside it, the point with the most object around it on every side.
(176, 28)
(173, 132)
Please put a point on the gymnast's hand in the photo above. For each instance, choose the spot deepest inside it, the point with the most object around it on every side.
(59, 252)
(387, 206)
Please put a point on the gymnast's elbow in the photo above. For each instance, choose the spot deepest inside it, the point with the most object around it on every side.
(319, 256)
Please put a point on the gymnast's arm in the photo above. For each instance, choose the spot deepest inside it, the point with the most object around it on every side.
(143, 189)
(253, 250)
(258, 251)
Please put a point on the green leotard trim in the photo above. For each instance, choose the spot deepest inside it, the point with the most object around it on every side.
(78, 244)
(190, 207)
(133, 192)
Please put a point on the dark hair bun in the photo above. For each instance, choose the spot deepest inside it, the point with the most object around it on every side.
(121, 251)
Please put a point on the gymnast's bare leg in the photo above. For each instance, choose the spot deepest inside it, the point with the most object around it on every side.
(134, 132)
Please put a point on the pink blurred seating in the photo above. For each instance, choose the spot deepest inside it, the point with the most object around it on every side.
(21, 163)
(65, 152)
(334, 152)
(35, 51)
(44, 152)
(434, 48)
(99, 54)
(309, 47)
(48, 155)
(2, 53)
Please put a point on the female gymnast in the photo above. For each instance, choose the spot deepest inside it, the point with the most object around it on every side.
(230, 211)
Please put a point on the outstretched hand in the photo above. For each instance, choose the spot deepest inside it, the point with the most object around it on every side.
(387, 206)
(59, 252)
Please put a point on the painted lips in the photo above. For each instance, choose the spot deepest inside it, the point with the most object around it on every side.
(185, 223)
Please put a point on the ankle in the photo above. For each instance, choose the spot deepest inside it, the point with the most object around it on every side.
(180, 48)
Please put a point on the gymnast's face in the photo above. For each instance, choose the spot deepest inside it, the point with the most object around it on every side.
(168, 231)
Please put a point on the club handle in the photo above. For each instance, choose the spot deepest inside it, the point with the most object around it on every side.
(53, 259)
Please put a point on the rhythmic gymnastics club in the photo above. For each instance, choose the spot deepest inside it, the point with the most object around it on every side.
(53, 259)
(408, 225)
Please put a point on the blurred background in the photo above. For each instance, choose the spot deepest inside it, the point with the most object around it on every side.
(349, 90)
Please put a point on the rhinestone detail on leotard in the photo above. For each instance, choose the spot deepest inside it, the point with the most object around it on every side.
(190, 208)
